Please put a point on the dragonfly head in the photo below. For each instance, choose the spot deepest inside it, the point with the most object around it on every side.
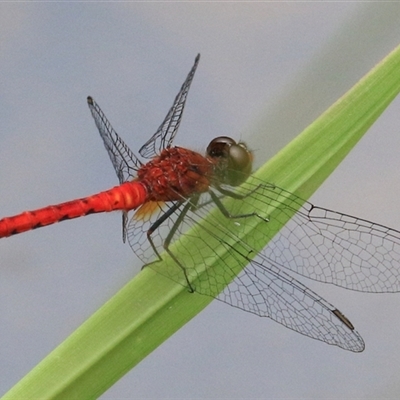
(234, 160)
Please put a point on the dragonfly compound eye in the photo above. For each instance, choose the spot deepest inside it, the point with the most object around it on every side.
(219, 147)
(235, 160)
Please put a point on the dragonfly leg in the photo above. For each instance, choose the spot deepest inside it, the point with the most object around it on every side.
(156, 225)
(226, 213)
(240, 196)
(170, 235)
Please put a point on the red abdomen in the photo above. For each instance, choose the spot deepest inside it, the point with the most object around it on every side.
(127, 196)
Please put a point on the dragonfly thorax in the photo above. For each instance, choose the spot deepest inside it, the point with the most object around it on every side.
(176, 174)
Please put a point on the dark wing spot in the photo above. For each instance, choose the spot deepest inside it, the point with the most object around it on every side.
(344, 319)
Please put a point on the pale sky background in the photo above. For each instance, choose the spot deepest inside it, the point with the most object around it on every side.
(267, 70)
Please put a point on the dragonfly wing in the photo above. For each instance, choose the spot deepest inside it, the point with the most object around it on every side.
(262, 288)
(336, 248)
(124, 161)
(267, 291)
(317, 243)
(165, 134)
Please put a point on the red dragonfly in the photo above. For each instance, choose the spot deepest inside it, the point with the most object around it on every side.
(172, 193)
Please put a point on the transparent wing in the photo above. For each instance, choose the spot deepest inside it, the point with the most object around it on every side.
(331, 247)
(124, 161)
(321, 244)
(165, 134)
(269, 292)
(262, 288)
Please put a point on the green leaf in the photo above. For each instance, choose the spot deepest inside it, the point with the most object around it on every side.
(150, 308)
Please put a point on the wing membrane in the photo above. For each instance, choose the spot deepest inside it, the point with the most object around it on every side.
(336, 248)
(268, 291)
(124, 161)
(262, 288)
(317, 243)
(165, 134)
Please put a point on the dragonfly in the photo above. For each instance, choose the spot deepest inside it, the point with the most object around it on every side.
(193, 209)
